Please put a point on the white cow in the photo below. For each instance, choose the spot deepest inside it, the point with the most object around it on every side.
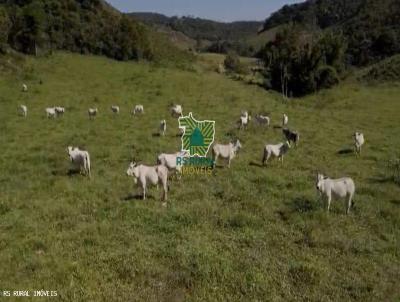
(336, 188)
(59, 111)
(244, 120)
(139, 109)
(149, 175)
(359, 141)
(24, 88)
(80, 159)
(278, 151)
(263, 120)
(163, 127)
(24, 110)
(227, 152)
(170, 161)
(285, 120)
(51, 112)
(176, 111)
(115, 109)
(92, 112)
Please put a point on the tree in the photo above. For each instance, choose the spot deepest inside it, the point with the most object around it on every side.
(5, 26)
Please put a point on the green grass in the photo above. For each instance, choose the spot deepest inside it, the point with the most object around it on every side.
(245, 234)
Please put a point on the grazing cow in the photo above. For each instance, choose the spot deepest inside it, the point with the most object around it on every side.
(80, 159)
(115, 109)
(336, 188)
(278, 151)
(244, 120)
(92, 112)
(139, 109)
(227, 152)
(163, 127)
(176, 111)
(24, 88)
(59, 111)
(51, 112)
(24, 110)
(169, 161)
(291, 136)
(263, 120)
(359, 141)
(285, 120)
(149, 175)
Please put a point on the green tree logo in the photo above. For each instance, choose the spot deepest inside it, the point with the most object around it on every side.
(198, 136)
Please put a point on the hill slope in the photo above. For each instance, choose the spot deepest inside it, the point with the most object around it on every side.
(370, 26)
(248, 233)
(90, 26)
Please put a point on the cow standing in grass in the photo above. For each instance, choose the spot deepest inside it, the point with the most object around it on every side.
(291, 136)
(285, 120)
(163, 127)
(359, 141)
(336, 188)
(80, 160)
(139, 109)
(115, 109)
(149, 175)
(23, 110)
(263, 120)
(92, 112)
(227, 152)
(244, 120)
(278, 151)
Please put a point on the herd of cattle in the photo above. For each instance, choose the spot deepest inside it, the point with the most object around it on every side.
(155, 175)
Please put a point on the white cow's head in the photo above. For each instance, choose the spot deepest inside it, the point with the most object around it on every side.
(237, 145)
(133, 171)
(320, 180)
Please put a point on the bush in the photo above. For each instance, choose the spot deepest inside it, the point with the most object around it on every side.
(232, 63)
(327, 77)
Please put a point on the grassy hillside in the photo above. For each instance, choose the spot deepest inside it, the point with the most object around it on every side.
(248, 233)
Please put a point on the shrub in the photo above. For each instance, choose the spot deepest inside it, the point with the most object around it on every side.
(232, 63)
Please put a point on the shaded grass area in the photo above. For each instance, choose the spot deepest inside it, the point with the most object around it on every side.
(247, 233)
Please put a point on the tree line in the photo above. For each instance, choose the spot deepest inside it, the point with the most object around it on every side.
(83, 26)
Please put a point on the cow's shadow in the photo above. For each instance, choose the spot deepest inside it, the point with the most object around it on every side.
(136, 197)
(345, 151)
(256, 164)
(156, 134)
(130, 197)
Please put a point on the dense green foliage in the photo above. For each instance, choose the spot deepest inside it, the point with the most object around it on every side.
(371, 27)
(248, 233)
(84, 26)
(221, 37)
(298, 62)
(232, 63)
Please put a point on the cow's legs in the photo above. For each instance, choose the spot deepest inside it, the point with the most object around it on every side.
(215, 159)
(329, 202)
(349, 203)
(268, 156)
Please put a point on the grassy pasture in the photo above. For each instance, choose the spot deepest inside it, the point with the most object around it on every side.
(248, 233)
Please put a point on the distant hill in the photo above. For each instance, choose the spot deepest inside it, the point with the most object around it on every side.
(371, 27)
(209, 35)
